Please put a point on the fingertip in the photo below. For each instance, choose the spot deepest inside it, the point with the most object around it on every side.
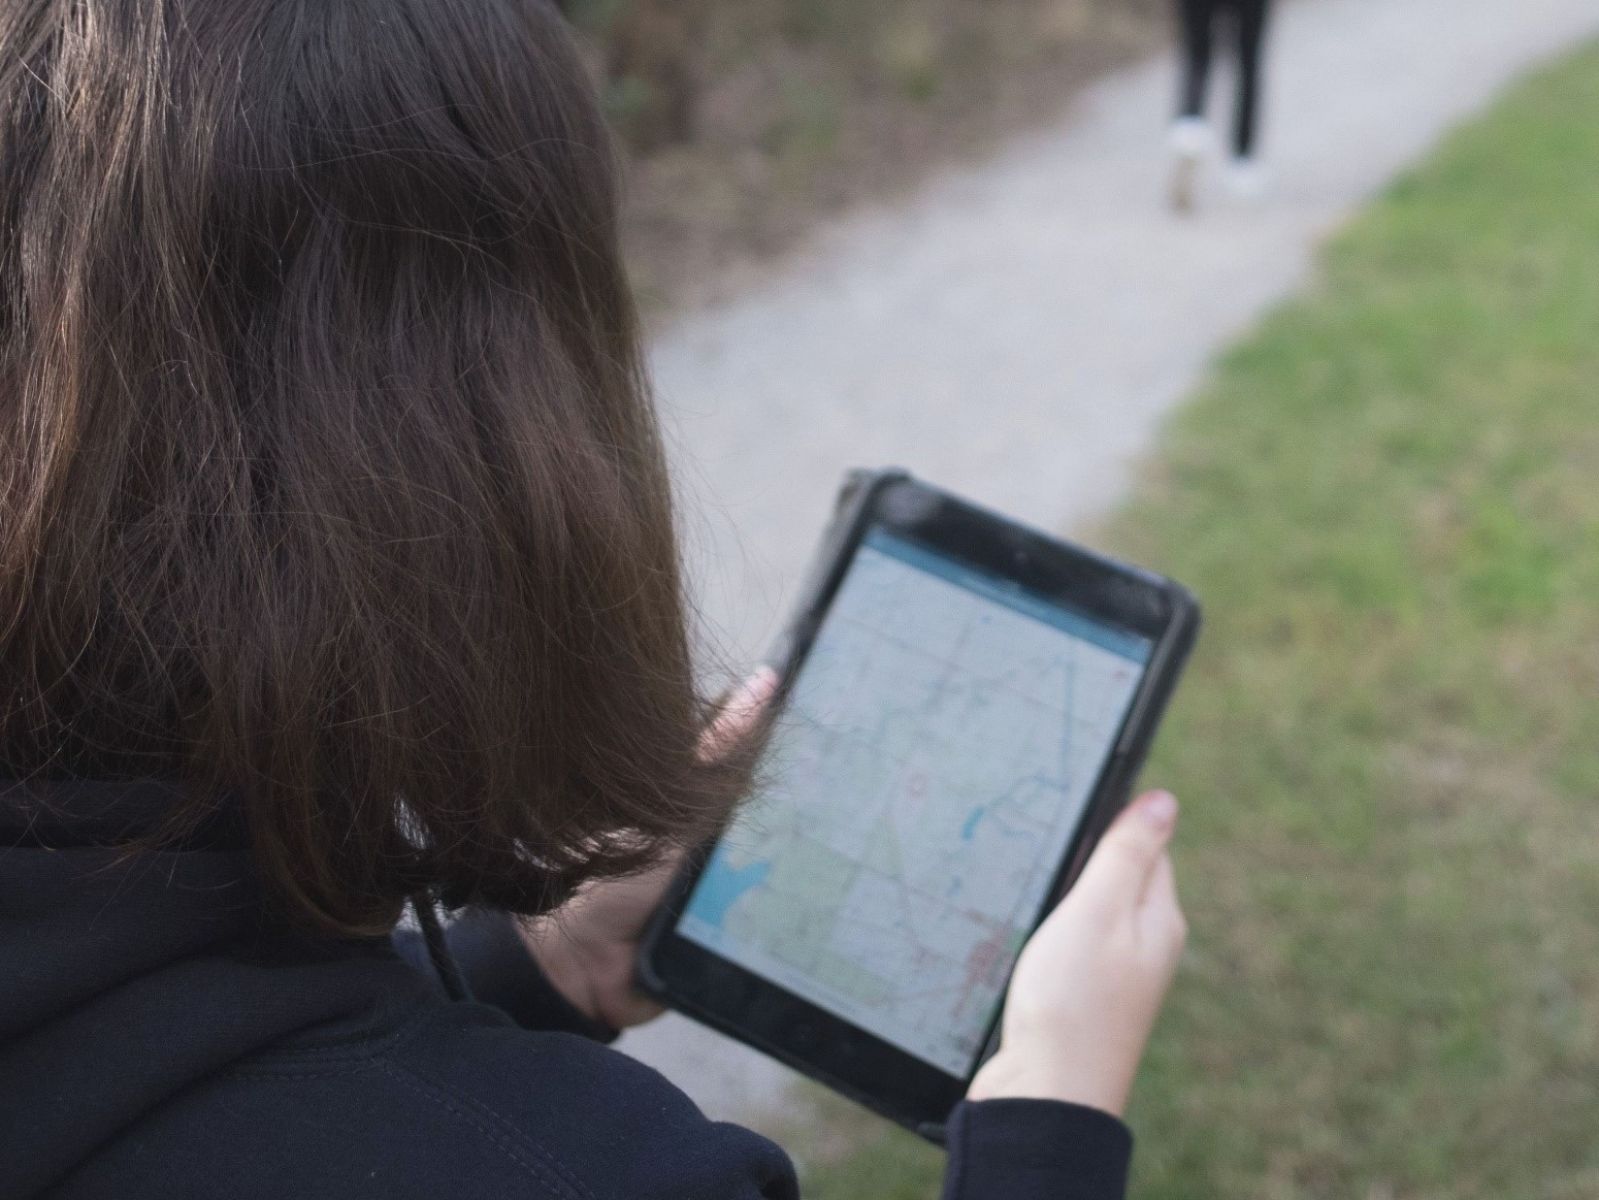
(763, 684)
(739, 714)
(753, 695)
(1158, 810)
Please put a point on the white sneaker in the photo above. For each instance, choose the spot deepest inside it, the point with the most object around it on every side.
(1247, 179)
(1190, 139)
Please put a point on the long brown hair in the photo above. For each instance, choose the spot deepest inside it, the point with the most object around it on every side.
(330, 483)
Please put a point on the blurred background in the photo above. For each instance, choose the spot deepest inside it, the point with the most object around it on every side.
(1355, 406)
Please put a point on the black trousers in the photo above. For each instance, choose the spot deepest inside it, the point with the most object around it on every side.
(1199, 19)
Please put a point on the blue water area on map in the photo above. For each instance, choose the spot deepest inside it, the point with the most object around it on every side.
(721, 885)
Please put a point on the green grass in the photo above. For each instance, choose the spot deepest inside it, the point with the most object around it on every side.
(1388, 745)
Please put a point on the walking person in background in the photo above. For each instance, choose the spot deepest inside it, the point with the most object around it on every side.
(1191, 131)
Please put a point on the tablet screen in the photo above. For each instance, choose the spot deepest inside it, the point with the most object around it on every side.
(937, 752)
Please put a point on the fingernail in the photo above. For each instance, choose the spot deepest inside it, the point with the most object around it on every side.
(755, 691)
(1160, 809)
(762, 684)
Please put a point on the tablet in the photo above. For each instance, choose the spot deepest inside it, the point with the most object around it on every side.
(964, 703)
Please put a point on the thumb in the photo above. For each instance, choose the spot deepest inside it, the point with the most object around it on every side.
(739, 715)
(1125, 859)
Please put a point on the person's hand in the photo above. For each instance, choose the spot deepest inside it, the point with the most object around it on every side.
(587, 949)
(1090, 981)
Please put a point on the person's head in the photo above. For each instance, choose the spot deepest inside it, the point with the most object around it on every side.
(329, 479)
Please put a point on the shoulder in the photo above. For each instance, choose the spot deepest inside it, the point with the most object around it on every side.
(605, 1124)
(457, 1103)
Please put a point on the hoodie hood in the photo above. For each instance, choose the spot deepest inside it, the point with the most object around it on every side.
(126, 977)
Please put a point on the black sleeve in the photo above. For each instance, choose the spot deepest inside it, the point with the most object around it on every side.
(501, 971)
(1035, 1150)
(998, 1149)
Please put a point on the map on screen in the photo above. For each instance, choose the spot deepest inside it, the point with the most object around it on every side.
(935, 757)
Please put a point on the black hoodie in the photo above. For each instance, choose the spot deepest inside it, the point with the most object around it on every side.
(160, 1037)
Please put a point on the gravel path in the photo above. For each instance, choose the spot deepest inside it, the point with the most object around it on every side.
(1018, 331)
